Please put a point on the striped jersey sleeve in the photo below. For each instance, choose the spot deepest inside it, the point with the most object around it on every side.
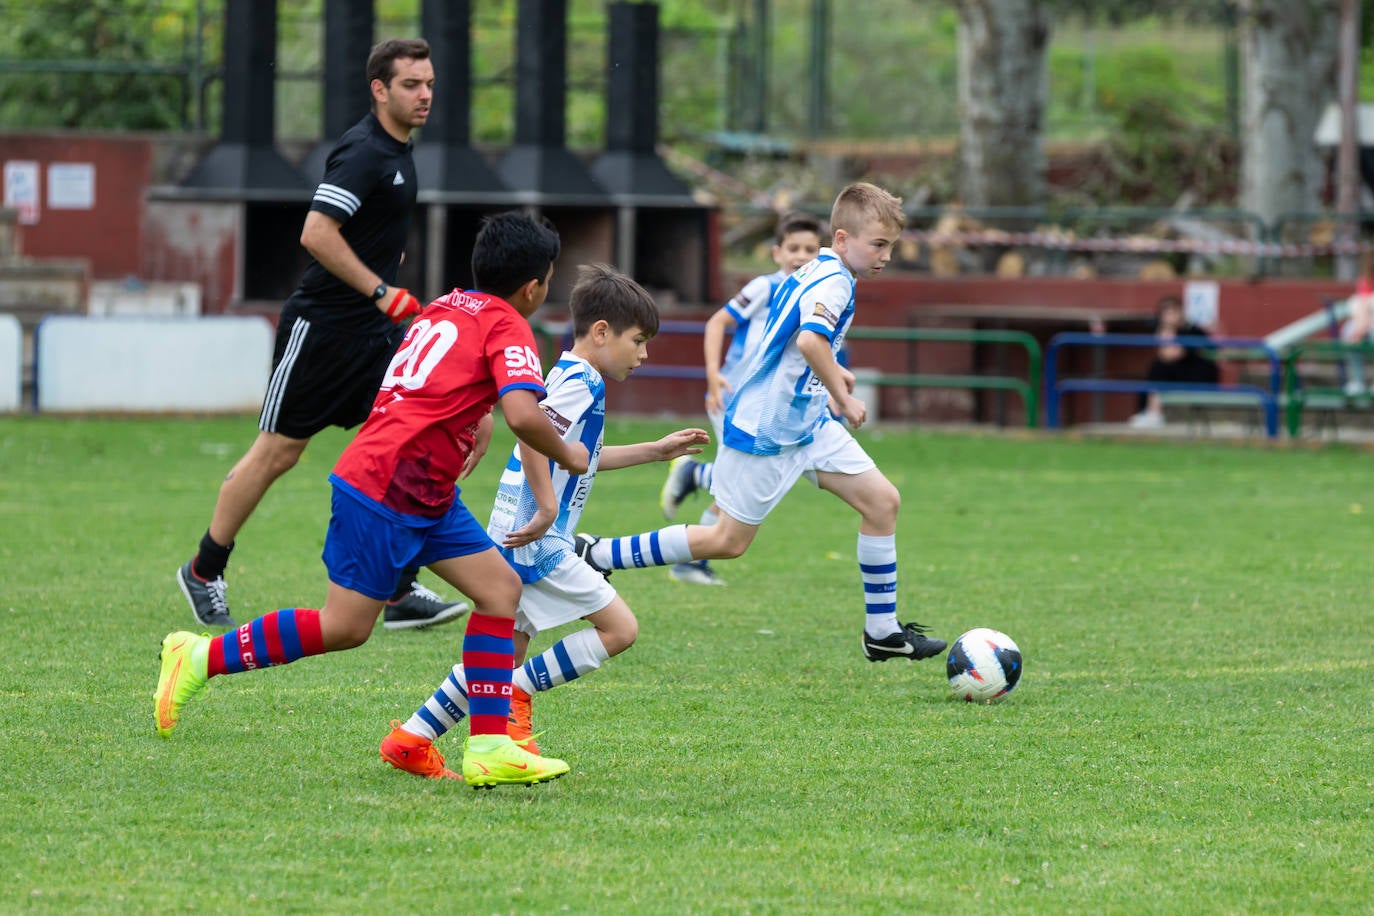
(779, 402)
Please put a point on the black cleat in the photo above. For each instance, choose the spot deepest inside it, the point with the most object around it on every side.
(582, 545)
(910, 642)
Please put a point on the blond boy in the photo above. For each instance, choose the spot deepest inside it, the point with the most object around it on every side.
(778, 429)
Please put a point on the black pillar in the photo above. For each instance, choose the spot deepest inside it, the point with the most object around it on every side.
(348, 26)
(630, 164)
(444, 159)
(538, 161)
(245, 159)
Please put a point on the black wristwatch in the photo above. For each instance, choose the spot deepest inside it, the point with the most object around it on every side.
(379, 292)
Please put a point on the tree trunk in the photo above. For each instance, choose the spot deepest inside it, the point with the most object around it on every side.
(1002, 100)
(1289, 49)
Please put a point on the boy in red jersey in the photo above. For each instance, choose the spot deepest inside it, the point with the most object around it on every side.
(395, 501)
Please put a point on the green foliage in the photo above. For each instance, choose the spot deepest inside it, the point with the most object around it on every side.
(103, 64)
(1191, 734)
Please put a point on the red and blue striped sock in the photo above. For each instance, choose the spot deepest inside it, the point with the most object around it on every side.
(488, 653)
(278, 638)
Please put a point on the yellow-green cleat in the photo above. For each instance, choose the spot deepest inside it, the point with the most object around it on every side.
(496, 760)
(185, 658)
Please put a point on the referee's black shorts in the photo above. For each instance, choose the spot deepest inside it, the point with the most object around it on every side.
(322, 376)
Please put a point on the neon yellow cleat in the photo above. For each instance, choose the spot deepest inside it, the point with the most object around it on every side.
(185, 657)
(496, 760)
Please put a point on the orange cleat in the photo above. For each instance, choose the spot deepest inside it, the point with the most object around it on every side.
(414, 754)
(518, 724)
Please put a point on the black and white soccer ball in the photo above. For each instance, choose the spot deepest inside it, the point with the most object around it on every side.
(983, 666)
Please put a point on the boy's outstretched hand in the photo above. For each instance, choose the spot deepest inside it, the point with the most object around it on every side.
(682, 442)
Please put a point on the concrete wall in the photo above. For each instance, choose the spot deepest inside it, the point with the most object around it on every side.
(11, 363)
(154, 365)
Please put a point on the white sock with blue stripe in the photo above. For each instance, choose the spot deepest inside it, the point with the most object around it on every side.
(703, 473)
(443, 710)
(663, 547)
(566, 660)
(878, 566)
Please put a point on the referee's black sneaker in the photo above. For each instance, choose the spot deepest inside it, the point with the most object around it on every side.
(421, 607)
(206, 596)
(910, 642)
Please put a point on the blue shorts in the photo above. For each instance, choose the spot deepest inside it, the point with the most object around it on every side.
(368, 546)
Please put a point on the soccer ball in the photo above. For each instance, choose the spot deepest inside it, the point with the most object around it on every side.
(983, 666)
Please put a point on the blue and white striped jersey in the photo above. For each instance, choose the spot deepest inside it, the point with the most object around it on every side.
(779, 403)
(749, 308)
(576, 403)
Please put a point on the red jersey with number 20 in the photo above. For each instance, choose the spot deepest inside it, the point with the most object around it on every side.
(459, 356)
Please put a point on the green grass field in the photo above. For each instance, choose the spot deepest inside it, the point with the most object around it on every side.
(1192, 733)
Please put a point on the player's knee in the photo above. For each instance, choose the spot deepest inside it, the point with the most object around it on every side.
(343, 635)
(500, 595)
(892, 499)
(620, 637)
(732, 549)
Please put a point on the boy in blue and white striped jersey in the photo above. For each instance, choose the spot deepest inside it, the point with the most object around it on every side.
(778, 429)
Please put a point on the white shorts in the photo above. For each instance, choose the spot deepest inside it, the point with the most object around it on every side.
(747, 487)
(572, 591)
(717, 426)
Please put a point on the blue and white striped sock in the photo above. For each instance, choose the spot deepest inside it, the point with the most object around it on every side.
(878, 566)
(566, 660)
(663, 547)
(703, 472)
(443, 710)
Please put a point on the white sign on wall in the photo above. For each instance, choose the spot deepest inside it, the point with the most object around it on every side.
(21, 189)
(1201, 303)
(71, 186)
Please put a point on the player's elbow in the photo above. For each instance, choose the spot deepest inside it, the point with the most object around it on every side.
(316, 232)
(812, 345)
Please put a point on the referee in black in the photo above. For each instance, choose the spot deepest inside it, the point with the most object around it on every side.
(340, 327)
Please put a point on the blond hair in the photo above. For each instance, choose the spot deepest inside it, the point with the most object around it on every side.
(862, 204)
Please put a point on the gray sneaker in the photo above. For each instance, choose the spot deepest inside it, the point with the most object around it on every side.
(697, 572)
(680, 484)
(206, 597)
(421, 607)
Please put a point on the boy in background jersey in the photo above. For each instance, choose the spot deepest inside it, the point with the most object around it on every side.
(535, 519)
(395, 502)
(798, 241)
(778, 429)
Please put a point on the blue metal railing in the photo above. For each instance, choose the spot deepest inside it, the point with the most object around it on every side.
(1055, 387)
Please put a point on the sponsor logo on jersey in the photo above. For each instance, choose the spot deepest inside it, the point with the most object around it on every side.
(470, 304)
(822, 311)
(560, 422)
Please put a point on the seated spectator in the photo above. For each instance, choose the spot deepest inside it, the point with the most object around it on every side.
(1173, 363)
(1359, 327)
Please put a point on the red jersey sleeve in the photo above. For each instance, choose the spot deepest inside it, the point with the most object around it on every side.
(513, 356)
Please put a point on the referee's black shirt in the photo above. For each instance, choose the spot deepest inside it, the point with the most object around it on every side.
(369, 187)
